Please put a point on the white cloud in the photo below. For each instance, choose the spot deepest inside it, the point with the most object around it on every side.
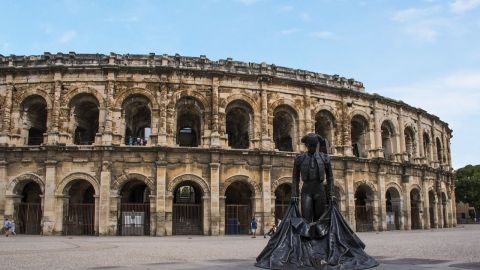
(410, 14)
(459, 6)
(456, 94)
(321, 34)
(67, 36)
(423, 24)
(290, 31)
(285, 8)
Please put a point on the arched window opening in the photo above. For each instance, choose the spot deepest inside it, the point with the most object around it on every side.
(283, 195)
(84, 108)
(364, 208)
(28, 212)
(137, 113)
(239, 118)
(324, 126)
(284, 128)
(187, 213)
(393, 207)
(387, 139)
(359, 136)
(415, 205)
(35, 117)
(79, 209)
(426, 146)
(431, 208)
(439, 150)
(189, 115)
(134, 209)
(410, 142)
(238, 208)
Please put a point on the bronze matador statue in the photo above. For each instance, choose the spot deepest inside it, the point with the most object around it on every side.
(313, 167)
(319, 238)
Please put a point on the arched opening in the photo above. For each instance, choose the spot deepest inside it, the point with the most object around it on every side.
(238, 208)
(284, 128)
(239, 118)
(283, 194)
(393, 207)
(324, 126)
(187, 209)
(388, 143)
(34, 110)
(28, 211)
(410, 145)
(415, 206)
(79, 209)
(444, 210)
(431, 208)
(439, 150)
(426, 146)
(137, 114)
(364, 208)
(134, 216)
(359, 136)
(189, 119)
(84, 110)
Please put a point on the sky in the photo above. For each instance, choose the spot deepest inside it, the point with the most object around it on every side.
(424, 52)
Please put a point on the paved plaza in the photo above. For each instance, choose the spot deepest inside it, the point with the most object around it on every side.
(457, 248)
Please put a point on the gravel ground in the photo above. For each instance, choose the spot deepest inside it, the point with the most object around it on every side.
(433, 249)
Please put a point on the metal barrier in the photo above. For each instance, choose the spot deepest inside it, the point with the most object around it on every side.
(79, 219)
(237, 218)
(364, 218)
(187, 219)
(27, 218)
(134, 219)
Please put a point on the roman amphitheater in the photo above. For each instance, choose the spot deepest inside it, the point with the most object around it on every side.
(158, 145)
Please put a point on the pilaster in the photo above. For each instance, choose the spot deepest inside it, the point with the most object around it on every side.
(215, 220)
(50, 220)
(104, 198)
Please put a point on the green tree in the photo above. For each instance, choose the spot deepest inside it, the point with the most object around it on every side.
(467, 188)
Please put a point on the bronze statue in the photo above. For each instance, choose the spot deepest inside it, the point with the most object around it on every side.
(319, 238)
(313, 167)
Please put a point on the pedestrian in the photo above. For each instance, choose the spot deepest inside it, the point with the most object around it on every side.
(12, 227)
(253, 227)
(271, 232)
(7, 225)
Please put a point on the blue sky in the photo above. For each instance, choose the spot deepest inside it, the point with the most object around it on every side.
(426, 53)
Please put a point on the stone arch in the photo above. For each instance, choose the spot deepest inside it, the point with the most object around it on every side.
(199, 97)
(341, 190)
(361, 113)
(243, 97)
(192, 118)
(395, 186)
(323, 107)
(416, 186)
(283, 102)
(37, 92)
(280, 181)
(357, 184)
(60, 190)
(242, 178)
(70, 95)
(16, 182)
(173, 184)
(125, 94)
(118, 184)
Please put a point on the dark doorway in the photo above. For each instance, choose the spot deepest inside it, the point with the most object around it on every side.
(431, 208)
(35, 113)
(238, 212)
(364, 209)
(284, 128)
(187, 209)
(359, 136)
(238, 120)
(415, 206)
(444, 210)
(28, 213)
(283, 196)
(85, 112)
(137, 113)
(189, 116)
(79, 211)
(134, 218)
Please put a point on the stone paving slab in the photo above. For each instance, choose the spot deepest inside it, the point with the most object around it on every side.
(446, 249)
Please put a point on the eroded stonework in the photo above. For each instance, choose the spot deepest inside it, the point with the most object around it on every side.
(198, 146)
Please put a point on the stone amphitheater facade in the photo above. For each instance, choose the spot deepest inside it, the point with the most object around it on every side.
(161, 145)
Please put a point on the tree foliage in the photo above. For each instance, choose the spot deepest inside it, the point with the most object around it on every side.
(468, 185)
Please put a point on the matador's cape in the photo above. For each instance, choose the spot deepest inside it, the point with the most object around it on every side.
(328, 244)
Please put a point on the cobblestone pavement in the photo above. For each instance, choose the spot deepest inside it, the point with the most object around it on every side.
(457, 248)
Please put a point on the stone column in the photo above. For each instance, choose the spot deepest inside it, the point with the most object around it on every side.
(222, 215)
(382, 209)
(215, 136)
(206, 215)
(153, 215)
(3, 184)
(49, 217)
(401, 148)
(161, 197)
(168, 214)
(378, 132)
(96, 219)
(350, 193)
(309, 123)
(440, 212)
(54, 135)
(61, 203)
(215, 215)
(107, 136)
(407, 212)
(115, 210)
(162, 134)
(104, 198)
(426, 204)
(265, 134)
(268, 219)
(420, 150)
(7, 109)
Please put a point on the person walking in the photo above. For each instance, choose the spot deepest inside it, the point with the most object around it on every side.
(253, 227)
(7, 225)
